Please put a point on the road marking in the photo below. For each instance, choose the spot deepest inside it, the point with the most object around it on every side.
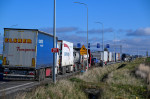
(2, 82)
(15, 86)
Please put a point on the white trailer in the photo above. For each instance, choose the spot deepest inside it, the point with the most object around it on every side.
(65, 56)
(117, 58)
(110, 56)
(113, 57)
(26, 53)
(105, 56)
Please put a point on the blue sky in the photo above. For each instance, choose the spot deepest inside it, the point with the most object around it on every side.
(128, 20)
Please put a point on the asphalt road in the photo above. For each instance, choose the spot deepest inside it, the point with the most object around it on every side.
(10, 88)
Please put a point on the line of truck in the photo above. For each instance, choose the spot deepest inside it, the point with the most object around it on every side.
(27, 53)
(103, 57)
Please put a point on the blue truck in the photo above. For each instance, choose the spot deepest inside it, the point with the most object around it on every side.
(1, 71)
(95, 61)
(27, 53)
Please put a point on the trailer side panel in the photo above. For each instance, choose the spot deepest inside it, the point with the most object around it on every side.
(44, 54)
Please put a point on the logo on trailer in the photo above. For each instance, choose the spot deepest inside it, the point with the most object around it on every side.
(65, 45)
(18, 49)
(18, 40)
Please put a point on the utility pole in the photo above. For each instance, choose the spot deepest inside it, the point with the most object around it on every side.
(121, 52)
(114, 46)
(138, 52)
(146, 53)
(54, 44)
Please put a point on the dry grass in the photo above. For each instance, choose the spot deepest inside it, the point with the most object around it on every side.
(119, 84)
(144, 72)
(96, 74)
(123, 77)
(124, 85)
(63, 89)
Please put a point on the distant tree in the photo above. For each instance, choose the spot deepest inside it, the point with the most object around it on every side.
(105, 49)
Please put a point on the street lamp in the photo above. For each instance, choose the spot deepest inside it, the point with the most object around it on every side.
(54, 43)
(102, 34)
(102, 38)
(87, 28)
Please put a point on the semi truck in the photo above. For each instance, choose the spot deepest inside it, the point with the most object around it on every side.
(105, 57)
(110, 57)
(65, 56)
(77, 59)
(27, 53)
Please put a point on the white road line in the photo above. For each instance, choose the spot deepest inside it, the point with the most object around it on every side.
(15, 86)
(2, 82)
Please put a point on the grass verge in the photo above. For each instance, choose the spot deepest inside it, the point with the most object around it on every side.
(118, 84)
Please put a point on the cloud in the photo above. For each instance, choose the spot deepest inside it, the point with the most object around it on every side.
(129, 45)
(59, 30)
(126, 31)
(72, 38)
(140, 32)
(97, 31)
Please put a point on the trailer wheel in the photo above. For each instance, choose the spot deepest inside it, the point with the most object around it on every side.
(40, 75)
(36, 77)
(79, 67)
(63, 70)
(44, 74)
(68, 69)
(76, 67)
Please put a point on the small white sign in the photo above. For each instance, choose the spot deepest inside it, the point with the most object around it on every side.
(40, 41)
(41, 45)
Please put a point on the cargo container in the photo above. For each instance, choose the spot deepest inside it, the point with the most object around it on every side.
(65, 56)
(116, 56)
(77, 59)
(89, 57)
(105, 57)
(119, 57)
(113, 57)
(110, 57)
(97, 55)
(27, 53)
(101, 55)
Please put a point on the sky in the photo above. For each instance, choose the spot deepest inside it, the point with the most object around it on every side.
(126, 22)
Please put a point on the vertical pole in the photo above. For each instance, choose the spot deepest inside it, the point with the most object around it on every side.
(103, 37)
(121, 52)
(54, 45)
(103, 40)
(138, 52)
(114, 47)
(87, 40)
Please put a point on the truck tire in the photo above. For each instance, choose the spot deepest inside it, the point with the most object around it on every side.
(79, 67)
(68, 69)
(44, 74)
(75, 68)
(36, 77)
(40, 75)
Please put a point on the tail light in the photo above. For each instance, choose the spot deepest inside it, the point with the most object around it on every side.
(33, 62)
(5, 72)
(4, 61)
(60, 61)
(31, 73)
